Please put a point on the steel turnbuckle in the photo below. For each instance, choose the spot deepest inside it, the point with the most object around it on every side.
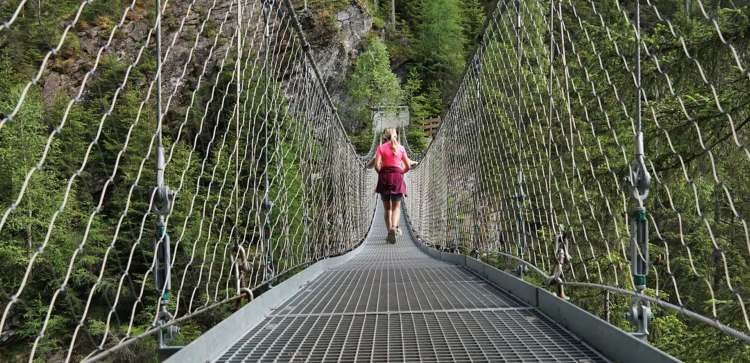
(164, 197)
(163, 201)
(638, 184)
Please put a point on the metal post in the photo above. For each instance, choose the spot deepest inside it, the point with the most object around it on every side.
(639, 182)
(521, 242)
(456, 232)
(478, 90)
(162, 246)
(267, 205)
(162, 207)
(607, 306)
(454, 189)
(305, 164)
(559, 253)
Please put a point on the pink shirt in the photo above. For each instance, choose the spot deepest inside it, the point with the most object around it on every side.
(388, 158)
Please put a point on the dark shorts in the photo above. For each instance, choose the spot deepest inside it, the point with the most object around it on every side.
(391, 197)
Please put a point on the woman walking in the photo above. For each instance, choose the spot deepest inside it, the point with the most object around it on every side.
(391, 162)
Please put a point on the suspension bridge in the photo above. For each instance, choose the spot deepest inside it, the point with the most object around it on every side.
(583, 200)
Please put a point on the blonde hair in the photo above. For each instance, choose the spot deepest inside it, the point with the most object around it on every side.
(390, 134)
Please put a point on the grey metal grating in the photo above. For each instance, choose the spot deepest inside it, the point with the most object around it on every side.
(392, 303)
(379, 290)
(511, 335)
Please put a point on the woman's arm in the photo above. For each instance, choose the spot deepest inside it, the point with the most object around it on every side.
(374, 163)
(371, 163)
(408, 163)
(411, 162)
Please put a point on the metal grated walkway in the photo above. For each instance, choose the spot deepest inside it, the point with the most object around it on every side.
(395, 303)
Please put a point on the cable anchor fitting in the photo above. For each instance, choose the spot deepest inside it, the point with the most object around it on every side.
(562, 256)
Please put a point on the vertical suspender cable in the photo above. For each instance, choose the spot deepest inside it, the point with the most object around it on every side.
(238, 71)
(158, 85)
(163, 195)
(551, 57)
(638, 85)
(639, 182)
(475, 124)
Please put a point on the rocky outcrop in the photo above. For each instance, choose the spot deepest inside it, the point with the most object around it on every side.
(335, 40)
(336, 54)
(67, 69)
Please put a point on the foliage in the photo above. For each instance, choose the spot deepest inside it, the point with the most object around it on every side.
(422, 107)
(698, 203)
(371, 84)
(474, 17)
(561, 126)
(87, 207)
(441, 41)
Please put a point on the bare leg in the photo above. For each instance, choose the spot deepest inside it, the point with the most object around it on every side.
(387, 214)
(395, 213)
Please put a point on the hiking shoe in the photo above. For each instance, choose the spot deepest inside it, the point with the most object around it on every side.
(391, 237)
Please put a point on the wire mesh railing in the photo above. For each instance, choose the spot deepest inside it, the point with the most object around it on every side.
(580, 127)
(169, 183)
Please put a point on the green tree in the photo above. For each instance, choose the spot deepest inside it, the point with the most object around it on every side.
(441, 41)
(473, 21)
(372, 84)
(423, 105)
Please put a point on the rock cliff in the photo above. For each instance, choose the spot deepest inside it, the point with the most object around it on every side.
(335, 38)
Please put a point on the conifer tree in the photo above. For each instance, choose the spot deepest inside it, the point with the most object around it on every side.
(441, 41)
(473, 20)
(371, 84)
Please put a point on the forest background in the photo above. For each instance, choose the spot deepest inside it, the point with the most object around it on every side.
(414, 54)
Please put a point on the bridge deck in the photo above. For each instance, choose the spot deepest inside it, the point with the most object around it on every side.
(395, 303)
